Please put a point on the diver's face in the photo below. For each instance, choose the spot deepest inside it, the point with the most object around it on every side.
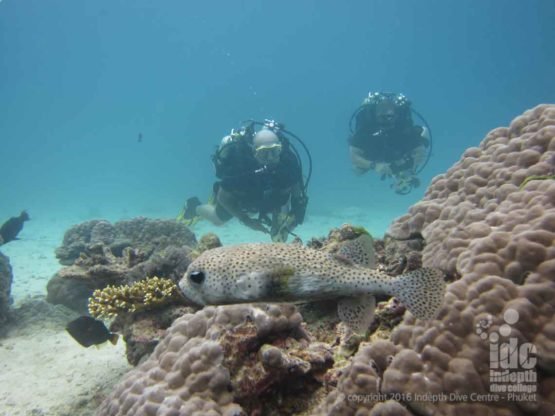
(385, 114)
(268, 155)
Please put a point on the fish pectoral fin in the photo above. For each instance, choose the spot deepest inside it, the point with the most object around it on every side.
(358, 251)
(357, 313)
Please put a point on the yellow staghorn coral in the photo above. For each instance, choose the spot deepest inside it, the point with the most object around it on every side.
(149, 293)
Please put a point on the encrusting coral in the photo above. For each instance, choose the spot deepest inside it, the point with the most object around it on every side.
(149, 293)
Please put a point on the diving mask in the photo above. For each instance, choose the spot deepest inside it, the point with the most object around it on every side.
(268, 154)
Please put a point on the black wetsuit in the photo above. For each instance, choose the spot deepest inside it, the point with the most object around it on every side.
(257, 188)
(386, 146)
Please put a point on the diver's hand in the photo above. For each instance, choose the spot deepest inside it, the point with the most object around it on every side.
(253, 224)
(384, 170)
(283, 226)
(405, 183)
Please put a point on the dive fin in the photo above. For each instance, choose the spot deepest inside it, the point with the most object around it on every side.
(190, 208)
(357, 313)
(358, 251)
(421, 291)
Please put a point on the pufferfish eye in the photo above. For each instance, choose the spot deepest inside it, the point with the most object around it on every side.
(197, 277)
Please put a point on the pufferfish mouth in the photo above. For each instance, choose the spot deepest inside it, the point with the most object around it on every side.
(189, 298)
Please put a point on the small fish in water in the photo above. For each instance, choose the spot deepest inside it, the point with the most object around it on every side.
(88, 331)
(277, 272)
(140, 138)
(11, 228)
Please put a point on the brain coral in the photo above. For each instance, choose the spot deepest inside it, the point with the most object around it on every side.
(217, 361)
(490, 220)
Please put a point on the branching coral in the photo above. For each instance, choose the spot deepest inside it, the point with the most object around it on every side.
(146, 294)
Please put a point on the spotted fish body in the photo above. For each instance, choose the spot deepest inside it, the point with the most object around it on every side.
(277, 272)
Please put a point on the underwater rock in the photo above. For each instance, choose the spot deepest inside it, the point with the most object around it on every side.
(77, 239)
(207, 242)
(6, 278)
(100, 254)
(237, 359)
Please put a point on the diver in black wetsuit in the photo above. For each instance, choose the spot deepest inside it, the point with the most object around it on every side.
(386, 140)
(258, 173)
(11, 228)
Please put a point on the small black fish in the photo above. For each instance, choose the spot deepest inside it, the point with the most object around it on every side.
(88, 331)
(11, 228)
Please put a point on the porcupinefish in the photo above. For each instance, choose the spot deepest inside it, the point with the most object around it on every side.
(279, 272)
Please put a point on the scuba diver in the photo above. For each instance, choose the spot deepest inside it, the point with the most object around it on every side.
(260, 172)
(385, 139)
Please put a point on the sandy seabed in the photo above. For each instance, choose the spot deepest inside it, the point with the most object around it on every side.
(43, 371)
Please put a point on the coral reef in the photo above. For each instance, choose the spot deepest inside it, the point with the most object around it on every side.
(5, 288)
(149, 293)
(229, 360)
(481, 225)
(486, 223)
(271, 362)
(144, 235)
(102, 254)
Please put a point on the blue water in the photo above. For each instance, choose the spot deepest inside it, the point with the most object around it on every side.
(80, 80)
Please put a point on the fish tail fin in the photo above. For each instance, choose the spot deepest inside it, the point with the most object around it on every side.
(114, 338)
(421, 291)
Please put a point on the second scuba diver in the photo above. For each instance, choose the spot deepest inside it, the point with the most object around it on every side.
(385, 139)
